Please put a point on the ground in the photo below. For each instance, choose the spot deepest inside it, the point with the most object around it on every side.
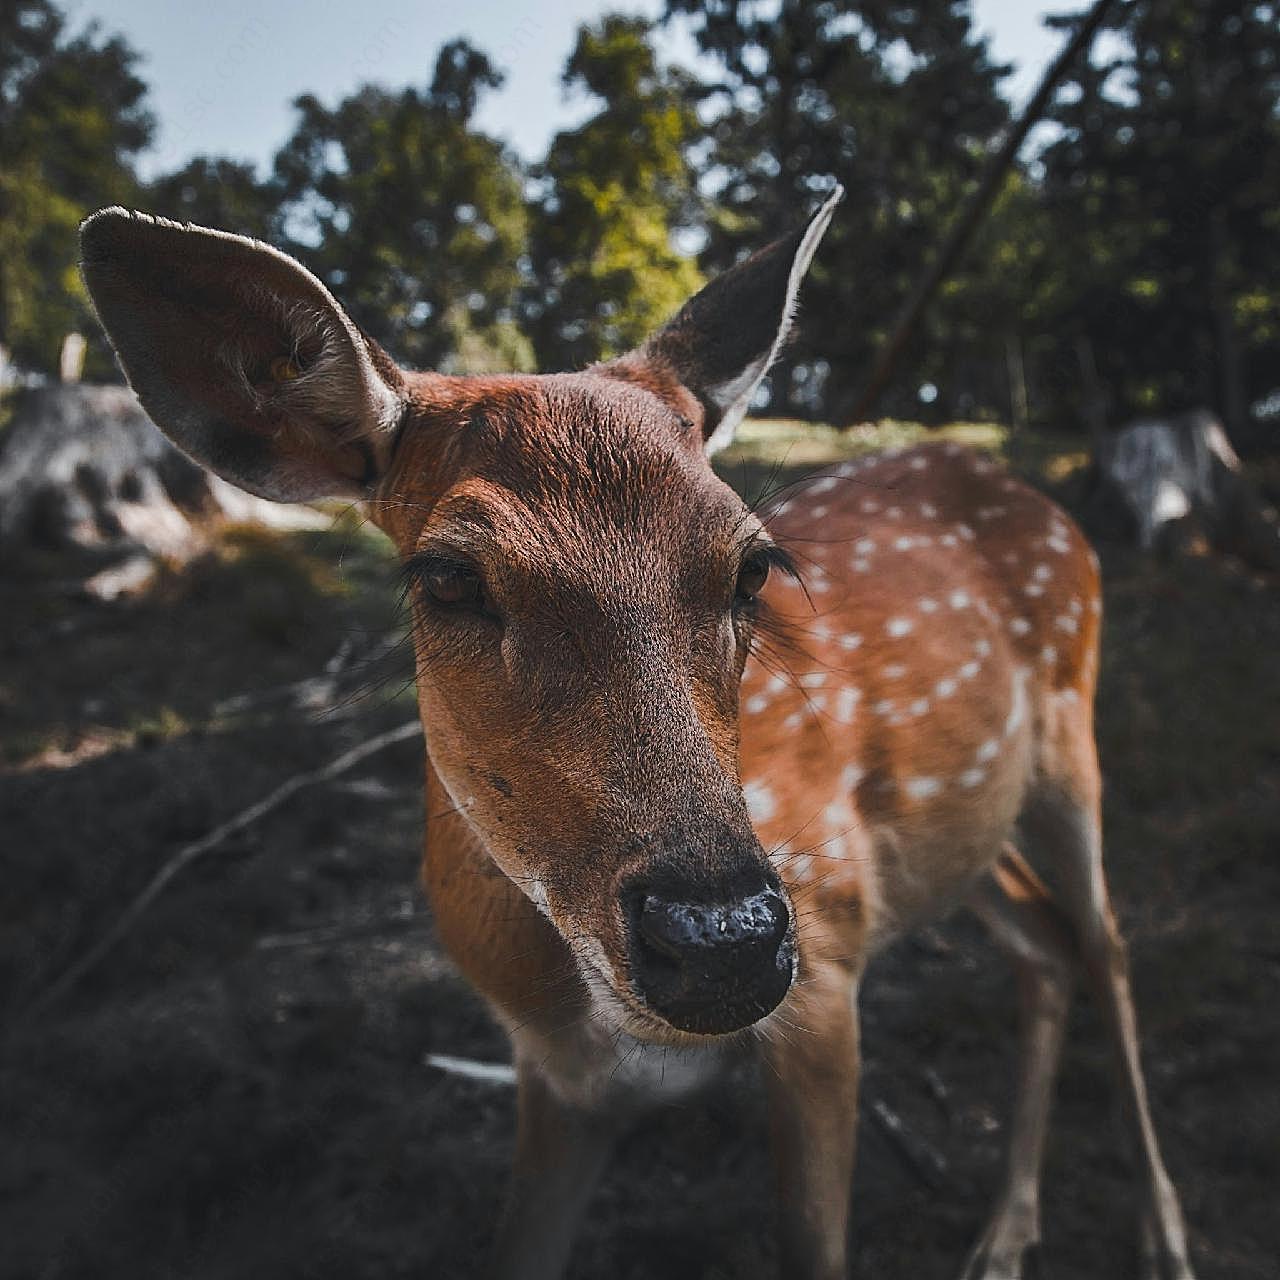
(239, 1088)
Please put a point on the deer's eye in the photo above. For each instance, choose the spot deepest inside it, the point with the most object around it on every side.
(453, 585)
(751, 577)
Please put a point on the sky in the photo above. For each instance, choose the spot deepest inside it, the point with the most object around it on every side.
(222, 75)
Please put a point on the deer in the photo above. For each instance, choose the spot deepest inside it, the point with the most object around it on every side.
(690, 764)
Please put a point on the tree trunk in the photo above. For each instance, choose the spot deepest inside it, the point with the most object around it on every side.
(970, 217)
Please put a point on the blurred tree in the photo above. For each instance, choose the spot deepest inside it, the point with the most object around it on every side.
(72, 119)
(898, 101)
(615, 192)
(217, 192)
(1162, 194)
(415, 219)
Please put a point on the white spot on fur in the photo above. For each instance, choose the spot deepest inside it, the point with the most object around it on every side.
(922, 788)
(894, 513)
(761, 804)
(813, 679)
(850, 776)
(837, 814)
(846, 702)
(1060, 545)
(884, 707)
(959, 600)
(971, 778)
(1048, 655)
(850, 641)
(1018, 704)
(919, 706)
(1019, 626)
(1042, 572)
(898, 627)
(982, 648)
(928, 510)
(919, 464)
(864, 546)
(1033, 589)
(869, 505)
(894, 671)
(904, 543)
(1067, 623)
(927, 605)
(970, 669)
(987, 752)
(945, 688)
(756, 704)
(825, 485)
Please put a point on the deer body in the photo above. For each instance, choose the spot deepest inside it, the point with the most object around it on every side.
(688, 765)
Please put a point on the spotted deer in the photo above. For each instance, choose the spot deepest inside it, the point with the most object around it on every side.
(690, 765)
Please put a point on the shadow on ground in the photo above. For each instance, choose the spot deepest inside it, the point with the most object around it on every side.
(239, 1089)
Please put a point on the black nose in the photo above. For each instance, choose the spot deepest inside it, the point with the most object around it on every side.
(710, 963)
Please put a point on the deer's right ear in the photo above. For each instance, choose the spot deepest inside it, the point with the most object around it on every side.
(723, 340)
(242, 357)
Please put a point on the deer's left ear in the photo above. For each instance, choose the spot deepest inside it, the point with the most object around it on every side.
(723, 340)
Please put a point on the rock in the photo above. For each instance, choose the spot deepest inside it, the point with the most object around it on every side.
(82, 466)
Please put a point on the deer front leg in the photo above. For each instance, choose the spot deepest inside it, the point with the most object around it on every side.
(811, 1069)
(560, 1152)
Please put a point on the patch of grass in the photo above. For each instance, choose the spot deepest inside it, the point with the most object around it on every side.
(259, 608)
(773, 452)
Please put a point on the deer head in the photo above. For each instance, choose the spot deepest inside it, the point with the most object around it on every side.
(584, 589)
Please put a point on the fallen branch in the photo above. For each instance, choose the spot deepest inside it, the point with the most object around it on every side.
(189, 853)
(496, 1073)
(921, 1157)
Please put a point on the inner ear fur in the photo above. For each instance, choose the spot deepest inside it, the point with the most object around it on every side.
(722, 341)
(242, 356)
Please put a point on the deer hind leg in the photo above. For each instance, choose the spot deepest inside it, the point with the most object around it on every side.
(1065, 816)
(1021, 916)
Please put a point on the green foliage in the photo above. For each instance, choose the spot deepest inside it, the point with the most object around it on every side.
(1143, 238)
(72, 118)
(615, 191)
(1161, 192)
(216, 192)
(412, 216)
(897, 102)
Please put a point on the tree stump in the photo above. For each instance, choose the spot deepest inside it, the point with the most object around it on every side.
(1179, 477)
(83, 467)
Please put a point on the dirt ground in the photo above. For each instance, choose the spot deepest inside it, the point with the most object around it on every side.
(239, 1090)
